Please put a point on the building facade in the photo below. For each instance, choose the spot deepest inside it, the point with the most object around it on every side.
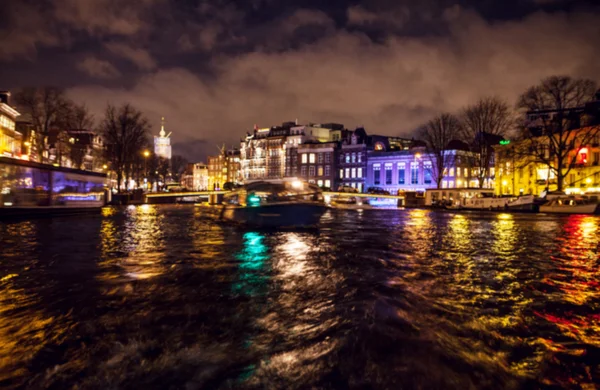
(162, 142)
(253, 154)
(10, 138)
(29, 147)
(233, 165)
(317, 163)
(519, 173)
(407, 170)
(415, 170)
(352, 160)
(272, 152)
(199, 176)
(217, 172)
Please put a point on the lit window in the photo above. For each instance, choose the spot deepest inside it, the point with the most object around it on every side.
(359, 172)
(359, 157)
(414, 173)
(428, 172)
(376, 174)
(444, 184)
(466, 172)
(457, 172)
(341, 173)
(353, 172)
(347, 172)
(353, 157)
(451, 173)
(347, 157)
(401, 173)
(388, 174)
(304, 158)
(320, 183)
(320, 171)
(311, 158)
(328, 183)
(451, 184)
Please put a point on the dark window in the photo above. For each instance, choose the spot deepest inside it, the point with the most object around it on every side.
(388, 175)
(377, 174)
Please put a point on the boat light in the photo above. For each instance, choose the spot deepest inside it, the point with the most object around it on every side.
(297, 184)
(253, 200)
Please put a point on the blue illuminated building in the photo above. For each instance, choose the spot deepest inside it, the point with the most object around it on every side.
(415, 169)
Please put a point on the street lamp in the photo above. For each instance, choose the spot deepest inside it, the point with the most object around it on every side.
(146, 155)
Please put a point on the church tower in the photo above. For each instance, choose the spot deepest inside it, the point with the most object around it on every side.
(162, 143)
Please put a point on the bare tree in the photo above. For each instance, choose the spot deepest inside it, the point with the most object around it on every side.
(437, 134)
(556, 137)
(163, 168)
(47, 108)
(79, 118)
(125, 131)
(178, 166)
(481, 125)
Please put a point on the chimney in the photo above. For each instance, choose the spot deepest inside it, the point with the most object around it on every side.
(4, 95)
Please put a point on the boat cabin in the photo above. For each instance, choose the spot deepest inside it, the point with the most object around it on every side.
(470, 198)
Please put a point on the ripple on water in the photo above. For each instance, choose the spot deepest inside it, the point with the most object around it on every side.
(161, 296)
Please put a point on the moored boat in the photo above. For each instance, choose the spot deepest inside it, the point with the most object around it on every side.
(571, 205)
(275, 204)
(526, 203)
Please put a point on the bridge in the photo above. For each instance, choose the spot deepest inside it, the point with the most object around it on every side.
(165, 197)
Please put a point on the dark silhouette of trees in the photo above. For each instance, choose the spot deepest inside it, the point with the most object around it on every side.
(482, 124)
(178, 165)
(125, 131)
(48, 108)
(437, 134)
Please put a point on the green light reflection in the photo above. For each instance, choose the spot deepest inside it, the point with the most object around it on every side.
(252, 279)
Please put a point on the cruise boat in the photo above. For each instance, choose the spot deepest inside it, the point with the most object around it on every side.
(526, 203)
(275, 204)
(571, 205)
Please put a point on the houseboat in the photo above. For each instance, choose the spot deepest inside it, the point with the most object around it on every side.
(466, 198)
(275, 204)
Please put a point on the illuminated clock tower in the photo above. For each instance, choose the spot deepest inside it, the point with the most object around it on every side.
(162, 143)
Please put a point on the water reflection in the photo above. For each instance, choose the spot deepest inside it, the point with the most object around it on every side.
(133, 245)
(159, 296)
(252, 273)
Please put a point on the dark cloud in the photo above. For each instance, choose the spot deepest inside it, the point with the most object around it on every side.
(98, 68)
(216, 69)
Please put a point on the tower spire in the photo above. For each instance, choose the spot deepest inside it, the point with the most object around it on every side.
(162, 127)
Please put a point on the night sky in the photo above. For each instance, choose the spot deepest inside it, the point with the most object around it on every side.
(216, 68)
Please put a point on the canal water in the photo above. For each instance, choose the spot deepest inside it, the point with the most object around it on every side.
(162, 297)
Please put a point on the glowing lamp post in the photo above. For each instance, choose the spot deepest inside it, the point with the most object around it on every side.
(146, 155)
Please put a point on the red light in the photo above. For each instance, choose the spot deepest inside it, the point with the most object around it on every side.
(583, 151)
